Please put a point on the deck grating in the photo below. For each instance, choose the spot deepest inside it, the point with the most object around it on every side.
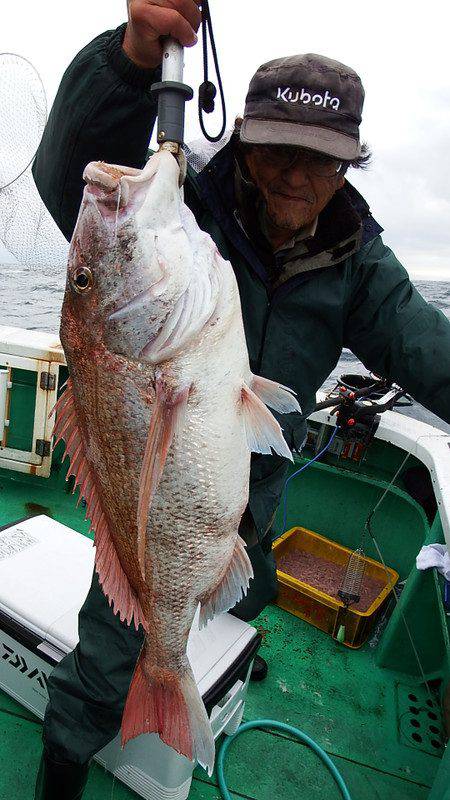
(420, 720)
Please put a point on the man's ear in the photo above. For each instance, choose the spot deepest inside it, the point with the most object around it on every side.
(340, 181)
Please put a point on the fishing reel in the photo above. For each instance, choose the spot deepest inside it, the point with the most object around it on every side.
(358, 402)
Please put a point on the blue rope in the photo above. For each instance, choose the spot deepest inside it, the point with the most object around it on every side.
(279, 726)
(294, 475)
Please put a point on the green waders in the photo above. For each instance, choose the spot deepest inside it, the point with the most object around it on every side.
(88, 688)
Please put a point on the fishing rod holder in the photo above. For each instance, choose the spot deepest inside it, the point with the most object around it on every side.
(172, 96)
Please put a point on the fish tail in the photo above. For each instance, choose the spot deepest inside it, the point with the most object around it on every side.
(169, 704)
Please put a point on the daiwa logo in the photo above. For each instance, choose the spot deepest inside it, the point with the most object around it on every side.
(289, 96)
(18, 662)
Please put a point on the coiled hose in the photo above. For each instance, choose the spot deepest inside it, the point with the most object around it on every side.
(278, 726)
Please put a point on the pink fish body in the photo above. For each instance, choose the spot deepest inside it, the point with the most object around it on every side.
(159, 417)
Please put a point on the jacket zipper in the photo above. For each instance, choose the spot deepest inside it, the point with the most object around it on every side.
(266, 322)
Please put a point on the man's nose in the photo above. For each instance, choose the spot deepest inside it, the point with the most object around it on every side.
(297, 173)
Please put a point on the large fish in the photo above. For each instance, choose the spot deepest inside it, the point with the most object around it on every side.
(159, 416)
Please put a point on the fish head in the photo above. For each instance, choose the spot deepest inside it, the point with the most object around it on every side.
(131, 259)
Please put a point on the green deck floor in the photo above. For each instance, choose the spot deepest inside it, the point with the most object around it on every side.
(337, 696)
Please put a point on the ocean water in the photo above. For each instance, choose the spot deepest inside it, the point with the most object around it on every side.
(32, 297)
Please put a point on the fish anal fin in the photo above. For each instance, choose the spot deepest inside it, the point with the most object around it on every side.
(262, 430)
(112, 578)
(232, 588)
(167, 417)
(275, 395)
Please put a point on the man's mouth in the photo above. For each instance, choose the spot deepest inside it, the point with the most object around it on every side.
(293, 197)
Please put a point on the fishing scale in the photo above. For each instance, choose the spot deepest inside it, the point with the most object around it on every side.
(172, 94)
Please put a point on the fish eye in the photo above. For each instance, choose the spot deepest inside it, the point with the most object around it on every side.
(82, 280)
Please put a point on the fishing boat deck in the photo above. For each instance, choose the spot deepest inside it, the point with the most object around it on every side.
(313, 684)
(359, 713)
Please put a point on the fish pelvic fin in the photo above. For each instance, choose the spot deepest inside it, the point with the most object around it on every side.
(279, 397)
(169, 704)
(262, 430)
(113, 580)
(232, 588)
(167, 418)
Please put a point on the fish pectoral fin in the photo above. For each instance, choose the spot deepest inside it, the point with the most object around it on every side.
(167, 418)
(112, 578)
(279, 397)
(232, 588)
(262, 430)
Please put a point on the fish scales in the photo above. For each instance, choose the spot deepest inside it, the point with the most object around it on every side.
(159, 417)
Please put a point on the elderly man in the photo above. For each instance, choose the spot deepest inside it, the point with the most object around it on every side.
(314, 276)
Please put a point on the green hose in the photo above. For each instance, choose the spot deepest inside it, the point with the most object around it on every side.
(279, 726)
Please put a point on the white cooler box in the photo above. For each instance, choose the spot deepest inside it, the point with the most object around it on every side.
(45, 573)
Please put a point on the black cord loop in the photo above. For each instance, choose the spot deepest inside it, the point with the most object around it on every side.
(207, 91)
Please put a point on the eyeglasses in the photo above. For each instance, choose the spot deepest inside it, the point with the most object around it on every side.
(283, 157)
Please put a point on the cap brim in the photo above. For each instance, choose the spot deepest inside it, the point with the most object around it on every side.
(324, 140)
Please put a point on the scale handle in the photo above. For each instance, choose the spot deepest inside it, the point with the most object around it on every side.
(172, 94)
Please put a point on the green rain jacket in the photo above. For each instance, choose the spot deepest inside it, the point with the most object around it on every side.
(341, 288)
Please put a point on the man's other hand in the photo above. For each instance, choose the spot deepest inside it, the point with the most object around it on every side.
(149, 20)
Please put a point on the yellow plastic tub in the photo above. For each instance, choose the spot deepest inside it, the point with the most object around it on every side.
(320, 609)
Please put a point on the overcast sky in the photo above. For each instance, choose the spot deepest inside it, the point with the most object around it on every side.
(400, 54)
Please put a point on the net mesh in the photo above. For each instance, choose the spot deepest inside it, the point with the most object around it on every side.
(27, 231)
(199, 152)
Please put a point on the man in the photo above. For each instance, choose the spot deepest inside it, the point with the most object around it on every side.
(313, 272)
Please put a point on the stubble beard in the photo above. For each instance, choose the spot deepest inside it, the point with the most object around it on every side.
(285, 218)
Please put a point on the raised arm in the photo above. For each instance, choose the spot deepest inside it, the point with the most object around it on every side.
(103, 110)
(395, 332)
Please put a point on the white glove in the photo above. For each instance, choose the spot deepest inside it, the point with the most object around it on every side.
(435, 555)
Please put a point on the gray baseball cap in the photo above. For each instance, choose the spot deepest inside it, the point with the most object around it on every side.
(306, 101)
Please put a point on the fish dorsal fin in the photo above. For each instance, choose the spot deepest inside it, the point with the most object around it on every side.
(167, 417)
(111, 575)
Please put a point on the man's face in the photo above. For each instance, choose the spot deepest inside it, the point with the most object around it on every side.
(295, 184)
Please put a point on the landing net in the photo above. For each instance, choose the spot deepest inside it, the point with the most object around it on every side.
(27, 231)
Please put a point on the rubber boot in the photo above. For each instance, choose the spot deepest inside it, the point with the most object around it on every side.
(259, 669)
(60, 781)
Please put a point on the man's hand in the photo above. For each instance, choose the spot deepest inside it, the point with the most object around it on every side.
(149, 20)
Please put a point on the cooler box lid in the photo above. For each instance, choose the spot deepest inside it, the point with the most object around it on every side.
(45, 573)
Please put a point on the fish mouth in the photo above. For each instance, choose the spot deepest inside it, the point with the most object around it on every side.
(105, 184)
(113, 188)
(107, 176)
